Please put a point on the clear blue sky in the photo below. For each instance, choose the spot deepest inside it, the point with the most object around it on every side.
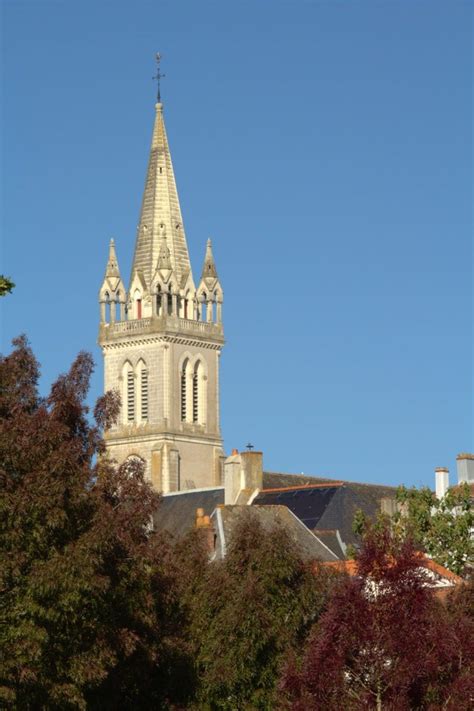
(326, 147)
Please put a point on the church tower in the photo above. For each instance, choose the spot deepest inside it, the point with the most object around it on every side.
(162, 340)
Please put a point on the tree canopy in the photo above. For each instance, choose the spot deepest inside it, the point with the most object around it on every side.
(6, 285)
(248, 612)
(385, 641)
(86, 605)
(441, 527)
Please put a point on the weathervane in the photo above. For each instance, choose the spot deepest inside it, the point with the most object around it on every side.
(158, 76)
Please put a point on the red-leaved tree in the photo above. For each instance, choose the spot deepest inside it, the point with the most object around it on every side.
(385, 641)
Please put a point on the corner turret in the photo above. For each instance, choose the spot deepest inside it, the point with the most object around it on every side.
(210, 291)
(112, 291)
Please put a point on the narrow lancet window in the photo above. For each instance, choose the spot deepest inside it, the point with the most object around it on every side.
(183, 392)
(195, 396)
(144, 393)
(130, 396)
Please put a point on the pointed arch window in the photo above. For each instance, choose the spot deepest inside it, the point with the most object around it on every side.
(184, 376)
(196, 395)
(129, 393)
(137, 297)
(144, 393)
(199, 393)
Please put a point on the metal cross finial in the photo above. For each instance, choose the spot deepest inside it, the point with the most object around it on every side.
(158, 76)
(250, 447)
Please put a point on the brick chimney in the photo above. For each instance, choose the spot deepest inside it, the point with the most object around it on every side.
(203, 523)
(442, 481)
(465, 465)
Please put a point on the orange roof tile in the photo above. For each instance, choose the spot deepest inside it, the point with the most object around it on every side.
(350, 567)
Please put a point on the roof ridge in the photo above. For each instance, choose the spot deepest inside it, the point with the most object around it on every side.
(304, 486)
(330, 479)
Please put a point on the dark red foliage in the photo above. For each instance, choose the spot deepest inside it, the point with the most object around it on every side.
(385, 641)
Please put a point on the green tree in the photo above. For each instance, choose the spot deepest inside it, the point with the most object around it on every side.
(6, 285)
(88, 605)
(248, 612)
(441, 527)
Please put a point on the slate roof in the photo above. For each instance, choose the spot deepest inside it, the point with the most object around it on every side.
(177, 511)
(319, 502)
(322, 503)
(309, 545)
(333, 541)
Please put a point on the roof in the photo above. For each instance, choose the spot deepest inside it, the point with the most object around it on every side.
(332, 539)
(309, 545)
(439, 577)
(177, 511)
(323, 503)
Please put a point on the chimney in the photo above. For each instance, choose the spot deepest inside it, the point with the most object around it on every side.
(465, 465)
(203, 523)
(442, 481)
(199, 517)
(252, 465)
(388, 505)
(243, 473)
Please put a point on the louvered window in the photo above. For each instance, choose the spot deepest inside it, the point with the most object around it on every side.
(144, 394)
(195, 398)
(130, 397)
(183, 394)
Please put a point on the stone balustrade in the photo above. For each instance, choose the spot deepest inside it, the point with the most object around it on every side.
(160, 324)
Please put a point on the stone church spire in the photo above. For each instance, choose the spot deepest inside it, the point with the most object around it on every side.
(162, 341)
(160, 212)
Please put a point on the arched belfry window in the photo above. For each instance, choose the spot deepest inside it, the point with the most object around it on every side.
(184, 391)
(195, 397)
(129, 393)
(199, 394)
(142, 373)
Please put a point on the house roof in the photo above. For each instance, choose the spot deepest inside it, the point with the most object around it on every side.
(309, 545)
(323, 503)
(332, 539)
(177, 511)
(439, 578)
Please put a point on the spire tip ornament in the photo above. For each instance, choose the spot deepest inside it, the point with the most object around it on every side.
(158, 76)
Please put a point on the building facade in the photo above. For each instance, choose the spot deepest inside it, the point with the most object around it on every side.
(161, 341)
